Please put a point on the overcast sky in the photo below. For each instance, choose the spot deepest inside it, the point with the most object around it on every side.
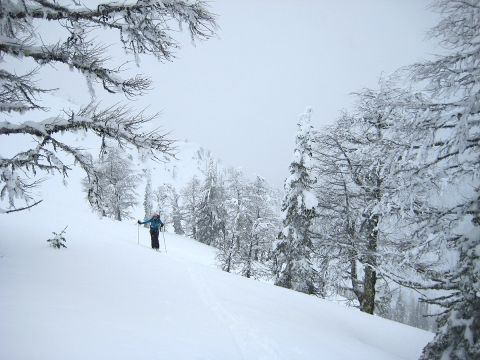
(240, 93)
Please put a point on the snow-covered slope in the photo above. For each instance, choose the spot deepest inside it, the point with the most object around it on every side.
(107, 297)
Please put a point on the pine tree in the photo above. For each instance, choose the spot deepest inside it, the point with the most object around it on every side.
(294, 248)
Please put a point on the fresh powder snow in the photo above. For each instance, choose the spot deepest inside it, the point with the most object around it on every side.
(109, 296)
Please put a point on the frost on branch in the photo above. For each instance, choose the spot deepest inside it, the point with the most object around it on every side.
(19, 92)
(116, 123)
(142, 26)
(451, 122)
(14, 187)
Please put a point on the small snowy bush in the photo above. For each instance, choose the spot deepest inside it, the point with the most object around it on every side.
(58, 241)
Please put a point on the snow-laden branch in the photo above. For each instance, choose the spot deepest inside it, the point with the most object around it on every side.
(144, 27)
(14, 187)
(143, 24)
(116, 122)
(18, 92)
(88, 61)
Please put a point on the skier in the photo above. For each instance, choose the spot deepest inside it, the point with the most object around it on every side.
(155, 225)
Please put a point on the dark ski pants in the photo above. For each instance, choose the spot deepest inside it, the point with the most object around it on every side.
(154, 236)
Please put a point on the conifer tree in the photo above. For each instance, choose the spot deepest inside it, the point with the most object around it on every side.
(147, 197)
(293, 250)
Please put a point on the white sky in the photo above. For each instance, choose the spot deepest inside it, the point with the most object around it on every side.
(240, 93)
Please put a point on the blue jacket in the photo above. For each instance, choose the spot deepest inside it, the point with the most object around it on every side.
(154, 223)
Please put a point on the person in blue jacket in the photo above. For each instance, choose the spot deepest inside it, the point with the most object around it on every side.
(155, 226)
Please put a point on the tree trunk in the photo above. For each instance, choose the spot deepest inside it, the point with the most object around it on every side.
(229, 262)
(248, 274)
(368, 302)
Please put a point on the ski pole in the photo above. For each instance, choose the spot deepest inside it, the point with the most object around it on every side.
(164, 243)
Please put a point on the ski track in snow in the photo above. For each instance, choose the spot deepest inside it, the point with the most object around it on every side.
(247, 339)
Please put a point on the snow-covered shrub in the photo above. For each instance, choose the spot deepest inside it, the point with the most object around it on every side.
(59, 240)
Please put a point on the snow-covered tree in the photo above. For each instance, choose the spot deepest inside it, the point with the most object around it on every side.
(115, 184)
(191, 201)
(445, 154)
(251, 225)
(59, 240)
(162, 203)
(293, 250)
(212, 215)
(264, 225)
(148, 197)
(339, 212)
(143, 27)
(177, 214)
(238, 220)
(360, 228)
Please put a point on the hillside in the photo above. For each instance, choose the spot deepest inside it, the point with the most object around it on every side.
(107, 297)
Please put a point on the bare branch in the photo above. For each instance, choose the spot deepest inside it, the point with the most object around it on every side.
(23, 208)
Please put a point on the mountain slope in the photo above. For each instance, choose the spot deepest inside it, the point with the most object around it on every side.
(107, 297)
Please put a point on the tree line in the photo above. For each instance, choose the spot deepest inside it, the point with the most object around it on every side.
(389, 193)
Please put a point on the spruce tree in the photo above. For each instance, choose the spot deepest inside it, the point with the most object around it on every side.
(293, 250)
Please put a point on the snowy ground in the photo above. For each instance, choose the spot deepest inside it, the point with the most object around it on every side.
(106, 297)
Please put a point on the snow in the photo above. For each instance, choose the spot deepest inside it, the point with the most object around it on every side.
(309, 199)
(107, 297)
